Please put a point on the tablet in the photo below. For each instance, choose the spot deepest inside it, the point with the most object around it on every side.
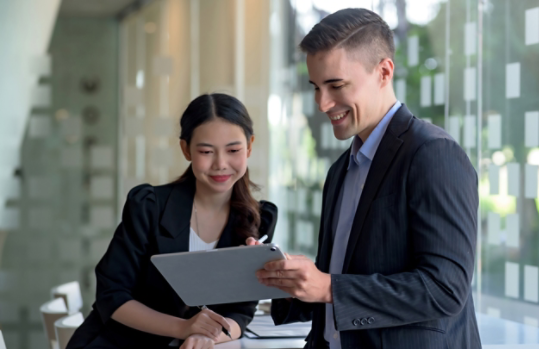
(218, 276)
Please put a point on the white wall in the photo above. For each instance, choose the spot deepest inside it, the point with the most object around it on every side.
(25, 31)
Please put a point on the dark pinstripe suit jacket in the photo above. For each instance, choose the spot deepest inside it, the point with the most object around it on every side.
(410, 257)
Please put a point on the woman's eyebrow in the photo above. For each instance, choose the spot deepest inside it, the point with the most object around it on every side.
(212, 146)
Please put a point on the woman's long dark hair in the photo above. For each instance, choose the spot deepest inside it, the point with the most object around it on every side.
(217, 105)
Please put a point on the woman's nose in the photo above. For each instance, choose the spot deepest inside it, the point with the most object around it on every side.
(220, 162)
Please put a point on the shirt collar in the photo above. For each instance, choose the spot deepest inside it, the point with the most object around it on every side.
(367, 150)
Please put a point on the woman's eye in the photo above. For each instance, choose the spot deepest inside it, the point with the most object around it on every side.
(234, 150)
(205, 152)
(338, 87)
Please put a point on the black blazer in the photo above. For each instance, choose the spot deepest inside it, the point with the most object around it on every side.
(155, 220)
(410, 257)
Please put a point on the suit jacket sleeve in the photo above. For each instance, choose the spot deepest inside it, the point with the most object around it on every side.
(117, 271)
(442, 213)
(243, 312)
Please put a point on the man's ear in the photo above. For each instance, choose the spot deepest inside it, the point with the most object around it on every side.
(386, 69)
(185, 149)
(250, 145)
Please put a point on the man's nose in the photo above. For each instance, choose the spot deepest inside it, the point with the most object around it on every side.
(324, 102)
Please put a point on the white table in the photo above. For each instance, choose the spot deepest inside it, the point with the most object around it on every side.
(246, 343)
(495, 334)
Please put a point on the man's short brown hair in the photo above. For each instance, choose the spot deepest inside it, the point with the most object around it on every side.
(354, 29)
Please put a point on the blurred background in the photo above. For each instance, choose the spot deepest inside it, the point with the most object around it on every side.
(91, 93)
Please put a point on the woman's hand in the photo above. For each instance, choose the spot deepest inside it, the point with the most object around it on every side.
(206, 323)
(197, 341)
(252, 242)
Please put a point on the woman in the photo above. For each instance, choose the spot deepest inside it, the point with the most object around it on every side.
(209, 206)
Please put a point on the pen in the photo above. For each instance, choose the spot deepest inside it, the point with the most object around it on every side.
(263, 238)
(225, 331)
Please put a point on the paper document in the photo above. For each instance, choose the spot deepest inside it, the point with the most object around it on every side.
(262, 327)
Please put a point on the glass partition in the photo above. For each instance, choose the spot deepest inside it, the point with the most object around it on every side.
(467, 66)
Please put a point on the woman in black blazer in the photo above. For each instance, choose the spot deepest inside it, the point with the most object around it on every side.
(209, 206)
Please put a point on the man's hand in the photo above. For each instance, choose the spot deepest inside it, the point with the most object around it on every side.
(298, 276)
(197, 341)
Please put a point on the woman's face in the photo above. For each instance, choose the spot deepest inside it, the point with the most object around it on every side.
(218, 153)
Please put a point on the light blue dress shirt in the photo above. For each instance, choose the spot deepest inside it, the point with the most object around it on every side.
(359, 164)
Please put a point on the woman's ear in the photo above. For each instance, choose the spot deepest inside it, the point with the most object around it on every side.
(185, 149)
(250, 145)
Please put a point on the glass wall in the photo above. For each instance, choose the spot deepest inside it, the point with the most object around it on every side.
(467, 66)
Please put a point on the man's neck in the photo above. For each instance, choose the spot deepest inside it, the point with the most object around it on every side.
(385, 107)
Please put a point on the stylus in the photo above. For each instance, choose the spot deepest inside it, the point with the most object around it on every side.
(263, 238)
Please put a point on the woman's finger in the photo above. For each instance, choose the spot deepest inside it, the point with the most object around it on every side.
(220, 320)
(212, 331)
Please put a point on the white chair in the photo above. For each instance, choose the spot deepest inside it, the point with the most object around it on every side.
(50, 312)
(71, 294)
(65, 327)
(2, 343)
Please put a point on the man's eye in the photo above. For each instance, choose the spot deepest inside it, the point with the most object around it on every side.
(337, 87)
(234, 150)
(205, 152)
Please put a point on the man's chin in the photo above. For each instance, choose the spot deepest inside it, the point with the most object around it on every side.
(342, 136)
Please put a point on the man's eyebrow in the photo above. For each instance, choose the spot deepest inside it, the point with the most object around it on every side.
(327, 81)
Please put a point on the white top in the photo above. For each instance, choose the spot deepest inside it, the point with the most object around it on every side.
(197, 244)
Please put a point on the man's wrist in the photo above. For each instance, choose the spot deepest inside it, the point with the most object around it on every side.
(329, 294)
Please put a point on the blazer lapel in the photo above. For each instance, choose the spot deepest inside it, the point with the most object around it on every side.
(176, 219)
(226, 239)
(383, 158)
(333, 191)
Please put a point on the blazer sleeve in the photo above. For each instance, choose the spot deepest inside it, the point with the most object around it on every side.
(243, 312)
(442, 228)
(117, 272)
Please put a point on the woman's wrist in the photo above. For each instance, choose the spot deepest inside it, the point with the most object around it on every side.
(180, 328)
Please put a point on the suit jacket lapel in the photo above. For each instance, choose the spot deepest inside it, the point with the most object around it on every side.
(227, 239)
(383, 158)
(333, 191)
(176, 219)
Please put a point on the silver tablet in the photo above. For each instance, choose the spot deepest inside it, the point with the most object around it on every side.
(218, 276)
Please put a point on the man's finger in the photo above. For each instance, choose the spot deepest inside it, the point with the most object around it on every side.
(289, 283)
(283, 265)
(285, 274)
(295, 256)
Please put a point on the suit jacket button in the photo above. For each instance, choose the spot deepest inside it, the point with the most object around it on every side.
(355, 322)
(364, 321)
(370, 320)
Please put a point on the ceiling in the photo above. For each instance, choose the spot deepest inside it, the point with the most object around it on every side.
(93, 8)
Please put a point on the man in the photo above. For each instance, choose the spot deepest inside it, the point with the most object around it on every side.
(398, 225)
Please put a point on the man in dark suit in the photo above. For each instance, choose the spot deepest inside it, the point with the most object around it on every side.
(398, 226)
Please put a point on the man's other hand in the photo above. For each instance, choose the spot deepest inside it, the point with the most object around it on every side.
(298, 276)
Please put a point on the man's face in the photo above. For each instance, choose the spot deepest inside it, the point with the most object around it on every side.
(346, 92)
